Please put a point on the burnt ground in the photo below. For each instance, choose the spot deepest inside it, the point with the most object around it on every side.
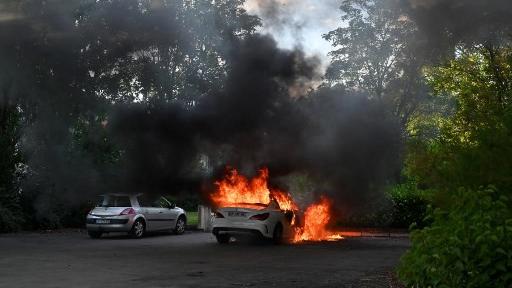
(71, 259)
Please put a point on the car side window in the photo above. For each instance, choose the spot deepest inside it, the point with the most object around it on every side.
(161, 203)
(143, 201)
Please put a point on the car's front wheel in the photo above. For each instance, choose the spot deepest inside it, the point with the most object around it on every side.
(181, 223)
(94, 234)
(223, 238)
(138, 229)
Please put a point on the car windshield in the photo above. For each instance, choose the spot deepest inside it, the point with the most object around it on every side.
(114, 201)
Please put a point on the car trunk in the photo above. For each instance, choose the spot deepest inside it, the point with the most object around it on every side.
(240, 213)
(108, 211)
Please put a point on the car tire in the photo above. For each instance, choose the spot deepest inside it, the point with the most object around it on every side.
(94, 234)
(223, 238)
(138, 229)
(181, 223)
(277, 236)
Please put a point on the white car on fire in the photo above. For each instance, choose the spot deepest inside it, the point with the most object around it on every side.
(263, 221)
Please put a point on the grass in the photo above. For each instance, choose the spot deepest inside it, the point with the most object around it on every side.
(192, 218)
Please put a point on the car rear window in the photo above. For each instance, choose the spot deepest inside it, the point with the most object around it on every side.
(114, 201)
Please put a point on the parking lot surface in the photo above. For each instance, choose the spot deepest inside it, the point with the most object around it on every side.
(194, 259)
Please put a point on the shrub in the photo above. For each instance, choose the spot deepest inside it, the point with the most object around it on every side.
(471, 246)
(409, 205)
(188, 203)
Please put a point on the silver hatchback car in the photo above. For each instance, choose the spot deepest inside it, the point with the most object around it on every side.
(135, 214)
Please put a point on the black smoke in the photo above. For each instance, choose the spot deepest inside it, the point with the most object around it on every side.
(446, 23)
(265, 114)
(347, 144)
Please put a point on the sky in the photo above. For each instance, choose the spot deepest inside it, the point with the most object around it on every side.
(299, 22)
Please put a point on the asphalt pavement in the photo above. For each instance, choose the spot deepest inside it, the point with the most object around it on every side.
(194, 259)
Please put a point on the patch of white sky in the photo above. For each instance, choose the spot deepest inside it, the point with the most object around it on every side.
(301, 23)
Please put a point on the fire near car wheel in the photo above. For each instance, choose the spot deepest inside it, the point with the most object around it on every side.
(94, 234)
(181, 223)
(277, 237)
(223, 238)
(138, 229)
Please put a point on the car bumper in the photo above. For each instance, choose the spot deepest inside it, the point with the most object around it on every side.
(259, 228)
(117, 224)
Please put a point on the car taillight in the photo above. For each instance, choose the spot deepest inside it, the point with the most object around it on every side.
(260, 217)
(128, 211)
(217, 215)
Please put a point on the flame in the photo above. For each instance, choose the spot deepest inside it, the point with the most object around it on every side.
(284, 200)
(237, 190)
(316, 218)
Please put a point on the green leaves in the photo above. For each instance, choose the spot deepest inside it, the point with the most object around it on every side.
(374, 54)
(466, 246)
(472, 139)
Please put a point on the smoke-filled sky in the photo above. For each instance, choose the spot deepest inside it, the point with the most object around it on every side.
(299, 22)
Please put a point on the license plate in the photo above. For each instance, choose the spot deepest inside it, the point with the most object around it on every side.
(101, 221)
(237, 214)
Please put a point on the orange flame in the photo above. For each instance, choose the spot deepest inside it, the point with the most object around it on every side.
(237, 190)
(316, 218)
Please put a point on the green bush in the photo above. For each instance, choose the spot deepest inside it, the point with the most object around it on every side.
(379, 217)
(187, 203)
(404, 206)
(471, 246)
(409, 205)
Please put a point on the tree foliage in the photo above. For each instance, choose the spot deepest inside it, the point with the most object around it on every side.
(468, 243)
(474, 141)
(375, 54)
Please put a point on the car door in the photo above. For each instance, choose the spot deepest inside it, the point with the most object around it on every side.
(167, 215)
(151, 213)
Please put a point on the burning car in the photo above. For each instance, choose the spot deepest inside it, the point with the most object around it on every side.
(260, 220)
(249, 206)
(135, 214)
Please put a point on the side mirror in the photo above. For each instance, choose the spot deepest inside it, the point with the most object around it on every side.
(172, 206)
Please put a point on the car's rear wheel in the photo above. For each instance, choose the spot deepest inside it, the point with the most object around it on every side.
(277, 236)
(223, 238)
(181, 223)
(94, 234)
(138, 229)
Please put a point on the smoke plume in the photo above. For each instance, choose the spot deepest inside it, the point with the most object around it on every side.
(450, 22)
(263, 114)
(349, 144)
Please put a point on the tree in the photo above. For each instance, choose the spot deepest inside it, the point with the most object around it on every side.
(161, 51)
(468, 165)
(474, 142)
(375, 55)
